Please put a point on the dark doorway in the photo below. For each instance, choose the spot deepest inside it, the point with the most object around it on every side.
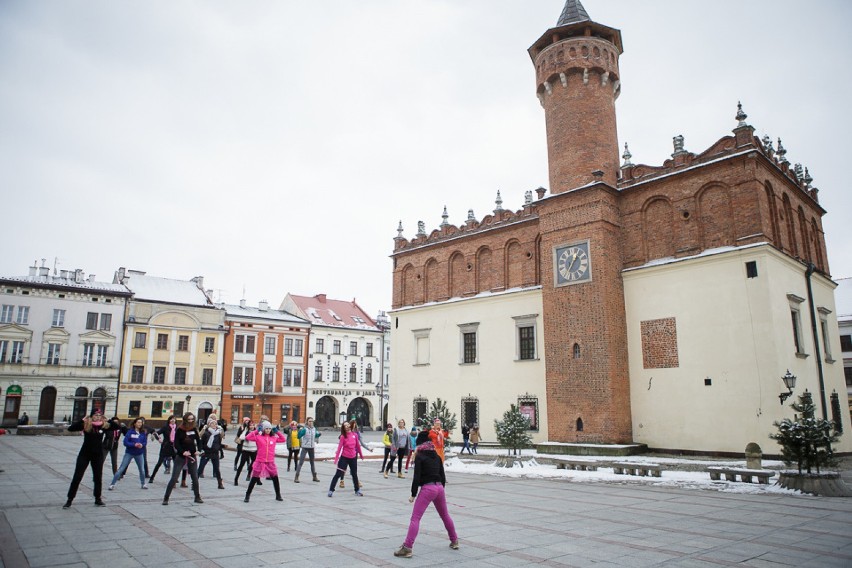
(11, 410)
(326, 412)
(47, 406)
(99, 400)
(359, 410)
(81, 403)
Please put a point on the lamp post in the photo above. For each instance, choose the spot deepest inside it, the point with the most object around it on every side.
(789, 382)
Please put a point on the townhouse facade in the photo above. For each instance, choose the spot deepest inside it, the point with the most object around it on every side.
(60, 345)
(173, 352)
(843, 296)
(265, 364)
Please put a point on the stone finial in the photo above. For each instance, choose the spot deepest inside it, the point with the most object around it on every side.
(767, 146)
(540, 192)
(421, 229)
(444, 217)
(498, 202)
(799, 171)
(782, 153)
(470, 216)
(807, 178)
(399, 231)
(527, 197)
(741, 116)
(626, 156)
(678, 145)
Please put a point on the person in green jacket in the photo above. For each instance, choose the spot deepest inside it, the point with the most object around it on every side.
(308, 437)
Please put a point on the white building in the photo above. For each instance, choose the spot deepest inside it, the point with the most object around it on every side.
(345, 360)
(60, 345)
(843, 297)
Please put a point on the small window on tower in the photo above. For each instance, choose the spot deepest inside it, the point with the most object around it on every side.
(751, 269)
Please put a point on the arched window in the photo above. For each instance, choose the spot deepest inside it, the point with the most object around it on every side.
(81, 402)
(579, 424)
(99, 399)
(576, 351)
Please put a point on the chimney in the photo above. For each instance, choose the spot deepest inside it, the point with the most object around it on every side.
(321, 298)
(243, 303)
(78, 275)
(118, 278)
(43, 271)
(63, 274)
(199, 281)
(91, 277)
(264, 305)
(34, 269)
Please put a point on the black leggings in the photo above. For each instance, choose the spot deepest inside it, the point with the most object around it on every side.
(160, 462)
(342, 464)
(400, 453)
(84, 461)
(245, 458)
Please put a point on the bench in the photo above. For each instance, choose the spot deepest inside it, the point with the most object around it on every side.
(640, 469)
(581, 465)
(746, 475)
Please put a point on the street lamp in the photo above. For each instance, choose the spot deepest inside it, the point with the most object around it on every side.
(789, 382)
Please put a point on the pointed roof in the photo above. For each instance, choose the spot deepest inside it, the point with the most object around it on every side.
(572, 13)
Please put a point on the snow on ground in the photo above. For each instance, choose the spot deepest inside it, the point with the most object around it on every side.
(534, 470)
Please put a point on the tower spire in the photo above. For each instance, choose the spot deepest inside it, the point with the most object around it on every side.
(572, 13)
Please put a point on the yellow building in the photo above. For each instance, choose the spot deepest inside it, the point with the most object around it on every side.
(173, 349)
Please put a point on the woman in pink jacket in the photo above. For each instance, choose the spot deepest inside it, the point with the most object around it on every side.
(348, 450)
(264, 462)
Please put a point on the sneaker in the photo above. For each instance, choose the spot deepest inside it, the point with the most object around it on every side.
(145, 486)
(99, 503)
(359, 494)
(111, 487)
(165, 502)
(403, 552)
(454, 545)
(67, 504)
(330, 493)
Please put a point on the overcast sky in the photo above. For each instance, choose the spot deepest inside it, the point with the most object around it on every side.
(275, 146)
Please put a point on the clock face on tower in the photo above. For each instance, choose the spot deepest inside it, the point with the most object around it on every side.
(572, 263)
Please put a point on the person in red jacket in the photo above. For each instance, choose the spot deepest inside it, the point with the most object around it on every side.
(437, 435)
(264, 462)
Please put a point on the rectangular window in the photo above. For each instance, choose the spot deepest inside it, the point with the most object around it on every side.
(300, 345)
(248, 376)
(240, 344)
(297, 378)
(162, 341)
(6, 313)
(751, 269)
(526, 337)
(137, 374)
(826, 344)
(91, 320)
(238, 376)
(847, 371)
(269, 346)
(4, 348)
(529, 408)
(133, 408)
(369, 349)
(470, 347)
(102, 356)
(320, 346)
(156, 409)
(421, 346)
(288, 347)
(159, 375)
(106, 322)
(368, 375)
(846, 342)
(88, 354)
(353, 374)
(797, 330)
(250, 339)
(287, 377)
(180, 375)
(318, 373)
(183, 343)
(23, 315)
(353, 347)
(297, 412)
(58, 318)
(335, 374)
(268, 379)
(209, 344)
(140, 339)
(17, 355)
(207, 377)
(178, 408)
(421, 408)
(336, 347)
(53, 353)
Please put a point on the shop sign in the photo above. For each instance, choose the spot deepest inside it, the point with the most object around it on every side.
(14, 390)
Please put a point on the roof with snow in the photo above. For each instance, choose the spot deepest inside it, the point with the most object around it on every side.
(167, 290)
(69, 283)
(843, 299)
(233, 311)
(320, 310)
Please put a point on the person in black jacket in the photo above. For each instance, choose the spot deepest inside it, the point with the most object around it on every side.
(95, 430)
(187, 449)
(165, 435)
(113, 441)
(429, 479)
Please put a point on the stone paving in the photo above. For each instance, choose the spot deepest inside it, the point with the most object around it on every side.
(500, 521)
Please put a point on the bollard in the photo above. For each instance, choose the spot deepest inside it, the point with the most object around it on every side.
(753, 455)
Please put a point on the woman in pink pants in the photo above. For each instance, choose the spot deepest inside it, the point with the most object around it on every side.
(429, 479)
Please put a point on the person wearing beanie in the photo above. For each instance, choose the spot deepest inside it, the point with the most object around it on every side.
(264, 462)
(187, 449)
(427, 487)
(95, 430)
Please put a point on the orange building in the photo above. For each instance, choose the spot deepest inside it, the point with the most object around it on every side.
(264, 365)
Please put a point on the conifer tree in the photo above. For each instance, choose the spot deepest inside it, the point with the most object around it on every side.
(512, 430)
(438, 410)
(806, 441)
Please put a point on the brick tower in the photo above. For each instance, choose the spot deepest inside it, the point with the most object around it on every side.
(585, 333)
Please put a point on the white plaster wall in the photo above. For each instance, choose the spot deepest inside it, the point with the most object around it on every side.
(735, 330)
(497, 380)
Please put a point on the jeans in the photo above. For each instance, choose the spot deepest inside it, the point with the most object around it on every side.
(310, 453)
(429, 493)
(214, 459)
(466, 445)
(177, 467)
(125, 461)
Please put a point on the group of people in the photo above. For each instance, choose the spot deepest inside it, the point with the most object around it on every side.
(186, 450)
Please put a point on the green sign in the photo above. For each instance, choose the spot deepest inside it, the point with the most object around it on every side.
(14, 390)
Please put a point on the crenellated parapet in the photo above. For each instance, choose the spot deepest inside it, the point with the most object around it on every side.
(498, 219)
(576, 63)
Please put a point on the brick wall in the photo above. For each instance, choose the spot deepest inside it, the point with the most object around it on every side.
(659, 343)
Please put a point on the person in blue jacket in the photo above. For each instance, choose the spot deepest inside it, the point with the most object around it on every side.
(135, 442)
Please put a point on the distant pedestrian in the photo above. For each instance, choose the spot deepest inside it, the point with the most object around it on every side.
(91, 454)
(291, 431)
(166, 437)
(112, 442)
(238, 440)
(187, 449)
(412, 440)
(475, 438)
(308, 439)
(249, 453)
(387, 441)
(437, 435)
(465, 440)
(346, 455)
(264, 463)
(399, 448)
(211, 446)
(429, 479)
(23, 420)
(135, 441)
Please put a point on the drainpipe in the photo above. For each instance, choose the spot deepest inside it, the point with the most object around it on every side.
(818, 355)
